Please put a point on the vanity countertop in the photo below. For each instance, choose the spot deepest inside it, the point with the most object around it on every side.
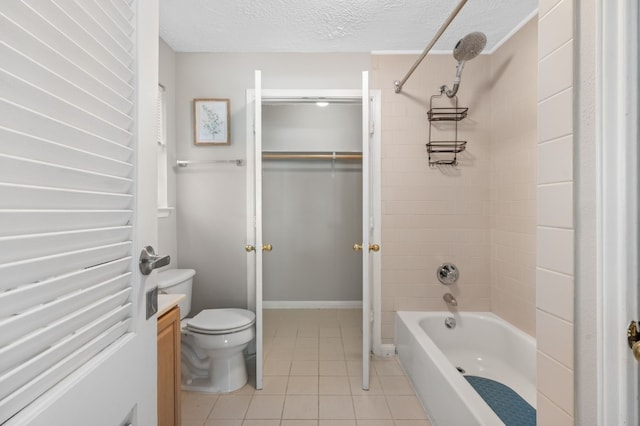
(168, 301)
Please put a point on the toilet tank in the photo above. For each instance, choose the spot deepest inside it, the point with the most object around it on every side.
(177, 281)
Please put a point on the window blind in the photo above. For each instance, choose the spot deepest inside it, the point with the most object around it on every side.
(66, 188)
(161, 138)
(160, 120)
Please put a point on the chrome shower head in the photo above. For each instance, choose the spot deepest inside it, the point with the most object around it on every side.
(467, 48)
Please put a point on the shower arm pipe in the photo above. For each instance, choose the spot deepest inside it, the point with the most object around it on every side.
(399, 83)
(456, 82)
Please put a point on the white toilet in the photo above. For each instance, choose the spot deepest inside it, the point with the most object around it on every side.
(213, 341)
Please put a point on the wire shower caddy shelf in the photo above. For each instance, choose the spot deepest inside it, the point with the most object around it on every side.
(445, 152)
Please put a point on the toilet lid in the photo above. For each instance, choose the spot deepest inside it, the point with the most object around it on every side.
(221, 320)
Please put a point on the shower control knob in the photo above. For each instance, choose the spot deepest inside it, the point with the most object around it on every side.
(447, 273)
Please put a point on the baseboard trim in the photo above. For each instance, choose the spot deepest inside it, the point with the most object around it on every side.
(387, 350)
(311, 304)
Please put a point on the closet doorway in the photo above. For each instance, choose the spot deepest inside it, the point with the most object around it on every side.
(313, 203)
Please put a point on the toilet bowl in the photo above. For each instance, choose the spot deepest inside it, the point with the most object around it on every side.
(213, 341)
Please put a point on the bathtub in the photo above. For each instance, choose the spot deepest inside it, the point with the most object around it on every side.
(482, 344)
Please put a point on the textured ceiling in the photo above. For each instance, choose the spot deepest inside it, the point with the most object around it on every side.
(332, 25)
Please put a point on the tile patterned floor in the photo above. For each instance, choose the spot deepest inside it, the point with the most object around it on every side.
(312, 377)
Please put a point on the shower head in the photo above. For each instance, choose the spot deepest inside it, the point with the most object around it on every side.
(467, 48)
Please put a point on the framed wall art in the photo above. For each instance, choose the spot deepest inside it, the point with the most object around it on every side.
(211, 122)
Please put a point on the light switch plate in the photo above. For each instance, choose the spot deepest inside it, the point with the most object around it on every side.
(152, 302)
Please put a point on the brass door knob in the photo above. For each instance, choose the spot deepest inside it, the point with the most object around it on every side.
(374, 247)
(633, 338)
(636, 350)
(267, 247)
(357, 247)
(249, 248)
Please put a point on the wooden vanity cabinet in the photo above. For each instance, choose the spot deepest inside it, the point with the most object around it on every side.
(169, 382)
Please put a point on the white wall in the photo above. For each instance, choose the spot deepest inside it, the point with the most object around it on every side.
(586, 339)
(211, 218)
(513, 178)
(167, 226)
(555, 264)
(307, 127)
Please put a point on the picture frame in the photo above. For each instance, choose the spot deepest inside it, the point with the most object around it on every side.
(211, 121)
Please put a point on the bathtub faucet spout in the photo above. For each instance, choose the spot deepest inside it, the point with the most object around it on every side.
(448, 297)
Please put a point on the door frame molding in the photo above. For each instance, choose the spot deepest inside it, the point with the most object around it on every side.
(376, 146)
(617, 204)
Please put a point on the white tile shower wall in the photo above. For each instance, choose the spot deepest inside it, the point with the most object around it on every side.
(482, 215)
(513, 178)
(432, 215)
(555, 258)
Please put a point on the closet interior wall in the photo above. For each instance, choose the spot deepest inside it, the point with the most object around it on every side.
(312, 208)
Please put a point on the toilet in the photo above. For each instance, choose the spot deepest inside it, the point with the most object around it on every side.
(213, 341)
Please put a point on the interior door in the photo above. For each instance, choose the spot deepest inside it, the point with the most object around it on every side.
(254, 218)
(368, 245)
(632, 136)
(117, 385)
(618, 204)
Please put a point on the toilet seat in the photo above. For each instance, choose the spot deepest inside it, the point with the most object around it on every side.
(221, 321)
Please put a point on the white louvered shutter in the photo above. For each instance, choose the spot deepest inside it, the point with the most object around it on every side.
(66, 189)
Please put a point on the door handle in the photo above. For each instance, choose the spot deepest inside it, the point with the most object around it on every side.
(149, 260)
(633, 338)
(372, 247)
(265, 247)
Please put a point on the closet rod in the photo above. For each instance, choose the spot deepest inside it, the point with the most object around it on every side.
(308, 156)
(185, 163)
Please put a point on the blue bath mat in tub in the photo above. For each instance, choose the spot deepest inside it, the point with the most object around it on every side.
(504, 401)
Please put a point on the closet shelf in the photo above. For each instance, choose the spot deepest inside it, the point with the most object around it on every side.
(447, 114)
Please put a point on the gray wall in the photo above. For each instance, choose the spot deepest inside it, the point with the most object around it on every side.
(211, 200)
(167, 226)
(312, 209)
(306, 127)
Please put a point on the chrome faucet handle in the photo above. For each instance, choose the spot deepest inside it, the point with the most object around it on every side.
(448, 297)
(447, 273)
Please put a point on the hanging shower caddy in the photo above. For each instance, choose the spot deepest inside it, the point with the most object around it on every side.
(445, 152)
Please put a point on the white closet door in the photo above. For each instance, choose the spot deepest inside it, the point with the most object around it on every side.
(619, 206)
(254, 216)
(77, 98)
(367, 233)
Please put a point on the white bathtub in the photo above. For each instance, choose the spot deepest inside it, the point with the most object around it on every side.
(482, 344)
